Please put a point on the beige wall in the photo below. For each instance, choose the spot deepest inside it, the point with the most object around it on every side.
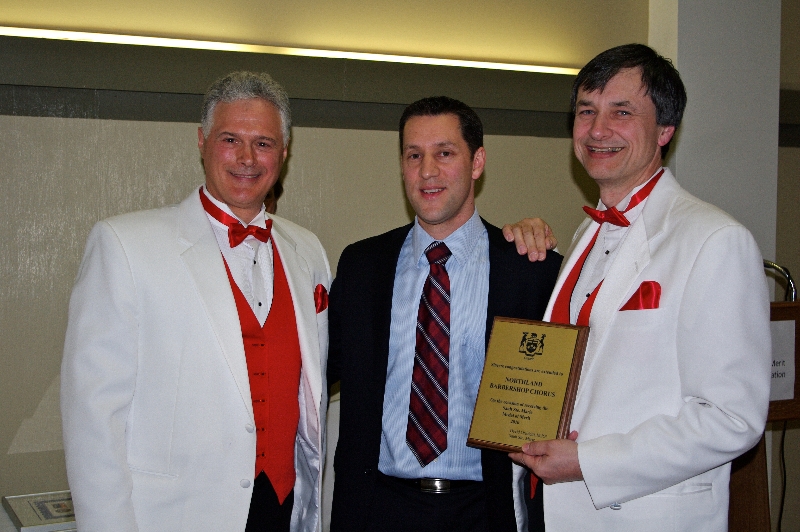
(59, 177)
(62, 175)
(346, 185)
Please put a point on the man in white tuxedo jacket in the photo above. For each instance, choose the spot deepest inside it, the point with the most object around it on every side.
(675, 382)
(165, 405)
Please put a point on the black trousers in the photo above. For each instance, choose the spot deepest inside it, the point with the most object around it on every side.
(535, 506)
(266, 513)
(398, 507)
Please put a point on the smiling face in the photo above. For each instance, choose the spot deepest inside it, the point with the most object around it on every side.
(243, 154)
(615, 135)
(439, 174)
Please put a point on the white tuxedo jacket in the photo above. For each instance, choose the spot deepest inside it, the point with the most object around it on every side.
(159, 433)
(668, 396)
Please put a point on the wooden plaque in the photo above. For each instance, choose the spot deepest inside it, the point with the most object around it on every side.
(530, 378)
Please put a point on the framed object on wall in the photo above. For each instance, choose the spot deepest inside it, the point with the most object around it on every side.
(785, 317)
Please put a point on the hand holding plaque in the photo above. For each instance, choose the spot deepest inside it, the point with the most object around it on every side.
(529, 382)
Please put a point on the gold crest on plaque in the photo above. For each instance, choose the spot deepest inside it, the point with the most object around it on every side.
(532, 344)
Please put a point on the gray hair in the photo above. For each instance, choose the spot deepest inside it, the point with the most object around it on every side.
(245, 85)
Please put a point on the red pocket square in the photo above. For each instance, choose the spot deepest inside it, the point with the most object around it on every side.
(646, 297)
(320, 298)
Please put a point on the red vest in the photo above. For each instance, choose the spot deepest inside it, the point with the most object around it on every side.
(273, 365)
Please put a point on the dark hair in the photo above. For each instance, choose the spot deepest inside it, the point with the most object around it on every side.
(471, 126)
(660, 78)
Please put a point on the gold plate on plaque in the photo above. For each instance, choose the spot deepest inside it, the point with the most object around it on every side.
(529, 383)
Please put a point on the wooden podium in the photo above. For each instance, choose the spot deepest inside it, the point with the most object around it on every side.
(749, 502)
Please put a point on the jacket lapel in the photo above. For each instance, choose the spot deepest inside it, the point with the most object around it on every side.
(383, 288)
(301, 287)
(207, 269)
(631, 259)
(502, 294)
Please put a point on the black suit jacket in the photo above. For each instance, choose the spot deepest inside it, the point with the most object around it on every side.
(360, 314)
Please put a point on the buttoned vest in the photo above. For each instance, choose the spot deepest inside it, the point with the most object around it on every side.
(273, 366)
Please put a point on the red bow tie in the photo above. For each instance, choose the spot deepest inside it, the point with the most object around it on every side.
(613, 216)
(236, 231)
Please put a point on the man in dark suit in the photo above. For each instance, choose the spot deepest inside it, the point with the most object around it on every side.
(410, 315)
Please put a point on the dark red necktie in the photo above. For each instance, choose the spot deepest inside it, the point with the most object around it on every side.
(236, 231)
(426, 433)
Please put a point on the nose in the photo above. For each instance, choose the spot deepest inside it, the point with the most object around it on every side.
(246, 155)
(599, 127)
(428, 168)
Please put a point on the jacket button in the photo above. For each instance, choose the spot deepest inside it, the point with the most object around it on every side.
(249, 428)
(368, 471)
(244, 483)
(616, 506)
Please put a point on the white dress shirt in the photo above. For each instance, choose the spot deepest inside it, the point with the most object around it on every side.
(468, 269)
(602, 254)
(250, 262)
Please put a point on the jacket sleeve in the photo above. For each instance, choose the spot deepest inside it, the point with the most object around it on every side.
(98, 376)
(722, 339)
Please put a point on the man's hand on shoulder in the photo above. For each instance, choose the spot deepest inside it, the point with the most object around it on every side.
(553, 461)
(532, 236)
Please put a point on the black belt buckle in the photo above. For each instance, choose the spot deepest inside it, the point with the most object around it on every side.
(434, 485)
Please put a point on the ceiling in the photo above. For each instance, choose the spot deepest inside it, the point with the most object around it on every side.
(546, 32)
(541, 32)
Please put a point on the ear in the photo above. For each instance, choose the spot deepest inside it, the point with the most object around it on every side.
(665, 135)
(478, 162)
(200, 139)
